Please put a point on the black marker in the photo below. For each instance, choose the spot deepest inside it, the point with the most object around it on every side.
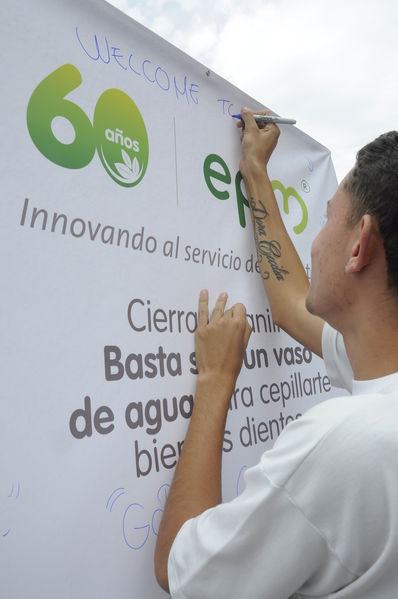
(267, 118)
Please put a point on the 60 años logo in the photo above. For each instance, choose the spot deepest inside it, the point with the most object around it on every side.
(118, 131)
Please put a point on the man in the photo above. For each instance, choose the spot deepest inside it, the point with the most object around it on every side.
(318, 515)
(287, 296)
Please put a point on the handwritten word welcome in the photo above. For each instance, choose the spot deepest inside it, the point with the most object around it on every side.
(152, 74)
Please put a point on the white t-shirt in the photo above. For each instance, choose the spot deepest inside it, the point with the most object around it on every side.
(318, 516)
(335, 357)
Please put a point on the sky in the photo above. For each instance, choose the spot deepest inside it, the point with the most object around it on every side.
(330, 64)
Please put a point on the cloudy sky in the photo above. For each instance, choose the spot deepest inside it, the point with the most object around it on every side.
(331, 64)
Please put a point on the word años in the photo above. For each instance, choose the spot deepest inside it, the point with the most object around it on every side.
(139, 366)
(116, 137)
(154, 75)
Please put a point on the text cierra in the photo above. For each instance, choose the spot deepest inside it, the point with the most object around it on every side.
(143, 317)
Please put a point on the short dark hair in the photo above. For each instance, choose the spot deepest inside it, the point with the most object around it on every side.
(373, 187)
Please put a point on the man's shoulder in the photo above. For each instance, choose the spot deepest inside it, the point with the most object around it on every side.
(342, 430)
(358, 424)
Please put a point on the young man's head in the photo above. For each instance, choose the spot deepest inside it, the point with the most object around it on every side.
(373, 187)
(360, 235)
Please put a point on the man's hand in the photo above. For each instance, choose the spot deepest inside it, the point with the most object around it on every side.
(284, 278)
(220, 347)
(221, 342)
(258, 142)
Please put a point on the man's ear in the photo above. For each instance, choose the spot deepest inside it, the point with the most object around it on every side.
(364, 247)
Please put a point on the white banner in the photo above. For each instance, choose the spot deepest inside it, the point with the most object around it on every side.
(121, 199)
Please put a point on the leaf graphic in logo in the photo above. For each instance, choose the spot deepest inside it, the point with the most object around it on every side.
(126, 174)
(124, 170)
(126, 159)
(130, 171)
(135, 168)
(120, 136)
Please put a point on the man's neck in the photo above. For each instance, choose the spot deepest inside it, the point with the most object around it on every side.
(372, 350)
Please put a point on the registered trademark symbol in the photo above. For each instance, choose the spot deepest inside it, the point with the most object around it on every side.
(305, 186)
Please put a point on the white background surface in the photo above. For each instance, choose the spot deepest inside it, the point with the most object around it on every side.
(73, 511)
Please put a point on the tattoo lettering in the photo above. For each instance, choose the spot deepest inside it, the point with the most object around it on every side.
(270, 250)
(259, 216)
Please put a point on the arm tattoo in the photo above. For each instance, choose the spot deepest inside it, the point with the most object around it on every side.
(270, 250)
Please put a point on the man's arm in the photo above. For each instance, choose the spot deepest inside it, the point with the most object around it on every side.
(220, 345)
(282, 272)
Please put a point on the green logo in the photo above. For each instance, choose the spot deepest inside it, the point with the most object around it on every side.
(118, 132)
(287, 193)
(218, 178)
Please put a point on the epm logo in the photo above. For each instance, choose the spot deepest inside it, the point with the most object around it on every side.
(118, 130)
(216, 172)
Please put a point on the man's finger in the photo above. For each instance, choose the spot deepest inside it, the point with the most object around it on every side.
(265, 112)
(238, 311)
(219, 307)
(248, 332)
(250, 122)
(248, 119)
(203, 310)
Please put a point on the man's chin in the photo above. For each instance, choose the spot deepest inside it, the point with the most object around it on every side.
(309, 304)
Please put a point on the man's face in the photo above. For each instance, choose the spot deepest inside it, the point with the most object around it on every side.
(328, 294)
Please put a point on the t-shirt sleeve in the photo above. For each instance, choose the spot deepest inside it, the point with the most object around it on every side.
(334, 353)
(265, 543)
(246, 548)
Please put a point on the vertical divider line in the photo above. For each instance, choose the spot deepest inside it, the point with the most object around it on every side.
(175, 156)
